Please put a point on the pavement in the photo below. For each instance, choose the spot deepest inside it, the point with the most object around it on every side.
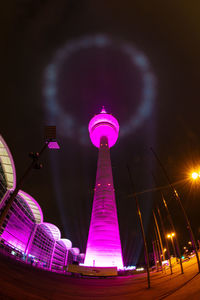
(21, 281)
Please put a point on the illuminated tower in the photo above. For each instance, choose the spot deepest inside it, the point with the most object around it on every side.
(103, 245)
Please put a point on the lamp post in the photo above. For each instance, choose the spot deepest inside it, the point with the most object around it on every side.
(50, 142)
(171, 236)
(189, 228)
(167, 210)
(178, 252)
(176, 196)
(195, 175)
(171, 185)
(167, 245)
(158, 248)
(142, 228)
(159, 236)
(155, 253)
(179, 202)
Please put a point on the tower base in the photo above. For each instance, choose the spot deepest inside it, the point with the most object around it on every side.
(93, 271)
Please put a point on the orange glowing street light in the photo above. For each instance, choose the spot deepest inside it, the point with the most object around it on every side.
(170, 236)
(195, 175)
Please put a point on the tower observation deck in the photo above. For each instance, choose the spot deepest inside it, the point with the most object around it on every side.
(103, 245)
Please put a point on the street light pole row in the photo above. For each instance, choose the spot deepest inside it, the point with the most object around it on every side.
(182, 208)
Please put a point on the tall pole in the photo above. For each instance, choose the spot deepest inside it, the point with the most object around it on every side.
(176, 239)
(142, 228)
(172, 225)
(169, 181)
(158, 248)
(155, 254)
(189, 228)
(171, 237)
(166, 240)
(159, 236)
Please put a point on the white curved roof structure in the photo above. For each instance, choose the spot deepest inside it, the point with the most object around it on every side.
(76, 251)
(67, 243)
(7, 164)
(54, 230)
(82, 255)
(33, 205)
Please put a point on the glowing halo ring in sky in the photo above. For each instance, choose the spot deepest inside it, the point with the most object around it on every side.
(52, 73)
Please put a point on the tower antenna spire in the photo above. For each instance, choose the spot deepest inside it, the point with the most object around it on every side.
(103, 111)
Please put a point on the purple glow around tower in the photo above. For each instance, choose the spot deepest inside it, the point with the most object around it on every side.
(103, 245)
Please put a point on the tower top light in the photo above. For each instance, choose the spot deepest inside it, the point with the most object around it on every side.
(103, 111)
(103, 125)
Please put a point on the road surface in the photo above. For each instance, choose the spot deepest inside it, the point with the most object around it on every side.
(21, 281)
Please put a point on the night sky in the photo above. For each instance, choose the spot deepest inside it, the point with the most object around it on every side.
(80, 48)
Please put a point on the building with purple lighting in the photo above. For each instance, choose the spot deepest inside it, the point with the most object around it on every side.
(24, 231)
(104, 245)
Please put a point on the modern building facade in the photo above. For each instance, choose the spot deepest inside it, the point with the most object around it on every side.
(104, 245)
(24, 229)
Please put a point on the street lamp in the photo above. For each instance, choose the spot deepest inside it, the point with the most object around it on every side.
(195, 175)
(162, 256)
(50, 142)
(182, 208)
(166, 241)
(170, 236)
(142, 227)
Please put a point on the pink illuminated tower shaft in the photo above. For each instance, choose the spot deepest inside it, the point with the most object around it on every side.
(103, 246)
